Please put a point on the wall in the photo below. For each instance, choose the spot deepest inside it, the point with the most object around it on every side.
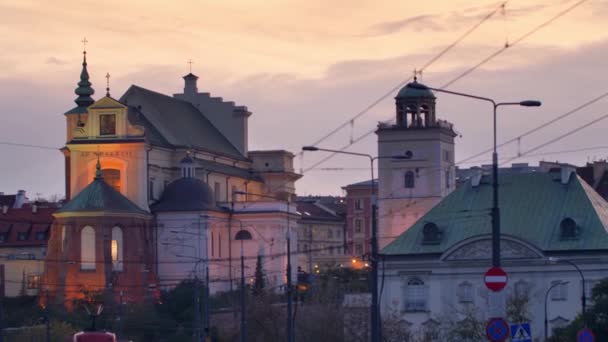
(14, 269)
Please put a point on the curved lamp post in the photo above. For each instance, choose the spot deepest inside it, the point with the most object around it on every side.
(243, 235)
(495, 210)
(555, 260)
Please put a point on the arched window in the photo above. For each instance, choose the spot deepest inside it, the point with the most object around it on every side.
(569, 229)
(112, 177)
(409, 179)
(87, 248)
(431, 234)
(465, 292)
(117, 249)
(62, 245)
(415, 295)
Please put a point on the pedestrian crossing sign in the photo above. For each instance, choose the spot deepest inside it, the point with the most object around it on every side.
(521, 332)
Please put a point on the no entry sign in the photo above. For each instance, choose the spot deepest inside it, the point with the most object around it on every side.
(495, 279)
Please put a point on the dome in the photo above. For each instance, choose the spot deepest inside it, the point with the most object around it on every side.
(186, 194)
(409, 91)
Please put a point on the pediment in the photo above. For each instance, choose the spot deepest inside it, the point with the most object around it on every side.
(106, 103)
(482, 250)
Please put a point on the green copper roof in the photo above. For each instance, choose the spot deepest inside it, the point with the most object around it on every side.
(407, 91)
(532, 207)
(101, 197)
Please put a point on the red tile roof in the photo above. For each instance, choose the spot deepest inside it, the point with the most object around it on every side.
(25, 220)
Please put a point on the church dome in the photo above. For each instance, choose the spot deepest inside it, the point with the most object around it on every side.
(413, 89)
(186, 194)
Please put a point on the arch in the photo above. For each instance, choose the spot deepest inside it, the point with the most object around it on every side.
(110, 163)
(479, 248)
(87, 248)
(112, 177)
(117, 248)
(431, 234)
(409, 180)
(568, 229)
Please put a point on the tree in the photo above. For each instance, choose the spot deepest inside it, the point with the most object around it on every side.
(260, 281)
(596, 318)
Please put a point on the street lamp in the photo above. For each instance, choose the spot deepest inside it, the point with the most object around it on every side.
(376, 333)
(288, 290)
(555, 260)
(546, 299)
(495, 210)
(243, 235)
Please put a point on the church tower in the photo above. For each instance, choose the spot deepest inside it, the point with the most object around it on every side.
(424, 173)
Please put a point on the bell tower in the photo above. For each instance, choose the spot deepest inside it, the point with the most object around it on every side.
(423, 173)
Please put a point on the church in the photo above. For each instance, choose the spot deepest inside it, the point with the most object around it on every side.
(157, 189)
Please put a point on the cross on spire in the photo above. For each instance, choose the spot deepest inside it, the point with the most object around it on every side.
(84, 42)
(190, 64)
(108, 84)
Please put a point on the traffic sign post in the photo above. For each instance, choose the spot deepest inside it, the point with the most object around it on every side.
(521, 332)
(497, 330)
(495, 279)
(585, 335)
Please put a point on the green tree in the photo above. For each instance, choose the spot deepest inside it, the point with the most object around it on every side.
(596, 318)
(260, 280)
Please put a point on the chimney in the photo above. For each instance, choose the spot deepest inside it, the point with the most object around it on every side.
(566, 171)
(190, 87)
(34, 208)
(4, 209)
(476, 173)
(20, 199)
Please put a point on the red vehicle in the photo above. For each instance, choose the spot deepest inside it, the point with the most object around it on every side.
(94, 336)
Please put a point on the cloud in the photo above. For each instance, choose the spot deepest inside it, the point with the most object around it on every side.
(417, 23)
(55, 60)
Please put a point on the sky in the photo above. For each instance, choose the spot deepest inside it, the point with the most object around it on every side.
(303, 68)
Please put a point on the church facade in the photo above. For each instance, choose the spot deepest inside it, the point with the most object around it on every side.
(157, 186)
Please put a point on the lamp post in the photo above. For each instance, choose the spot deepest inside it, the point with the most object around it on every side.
(546, 300)
(376, 333)
(580, 272)
(243, 235)
(289, 287)
(495, 209)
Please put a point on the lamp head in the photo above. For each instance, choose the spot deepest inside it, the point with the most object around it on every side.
(310, 148)
(530, 103)
(553, 260)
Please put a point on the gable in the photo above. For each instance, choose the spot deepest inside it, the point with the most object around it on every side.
(481, 249)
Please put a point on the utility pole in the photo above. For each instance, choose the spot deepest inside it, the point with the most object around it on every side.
(48, 317)
(310, 270)
(1, 318)
(207, 311)
(289, 286)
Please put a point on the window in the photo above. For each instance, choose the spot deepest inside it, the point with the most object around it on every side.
(22, 236)
(359, 249)
(415, 295)
(431, 234)
(3, 237)
(117, 249)
(465, 292)
(41, 236)
(330, 234)
(409, 180)
(522, 289)
(112, 178)
(305, 247)
(358, 225)
(447, 179)
(212, 244)
(569, 229)
(218, 191)
(151, 189)
(33, 281)
(107, 124)
(559, 292)
(219, 244)
(358, 204)
(446, 156)
(87, 248)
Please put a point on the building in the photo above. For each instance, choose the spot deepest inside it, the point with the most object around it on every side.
(358, 219)
(24, 232)
(434, 271)
(321, 233)
(423, 173)
(151, 184)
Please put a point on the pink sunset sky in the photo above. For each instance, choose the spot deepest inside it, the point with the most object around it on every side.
(303, 68)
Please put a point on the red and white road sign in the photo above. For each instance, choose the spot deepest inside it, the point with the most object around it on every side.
(496, 279)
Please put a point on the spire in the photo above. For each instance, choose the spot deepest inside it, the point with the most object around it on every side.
(108, 84)
(98, 169)
(84, 90)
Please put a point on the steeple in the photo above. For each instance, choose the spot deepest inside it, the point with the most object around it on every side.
(84, 90)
